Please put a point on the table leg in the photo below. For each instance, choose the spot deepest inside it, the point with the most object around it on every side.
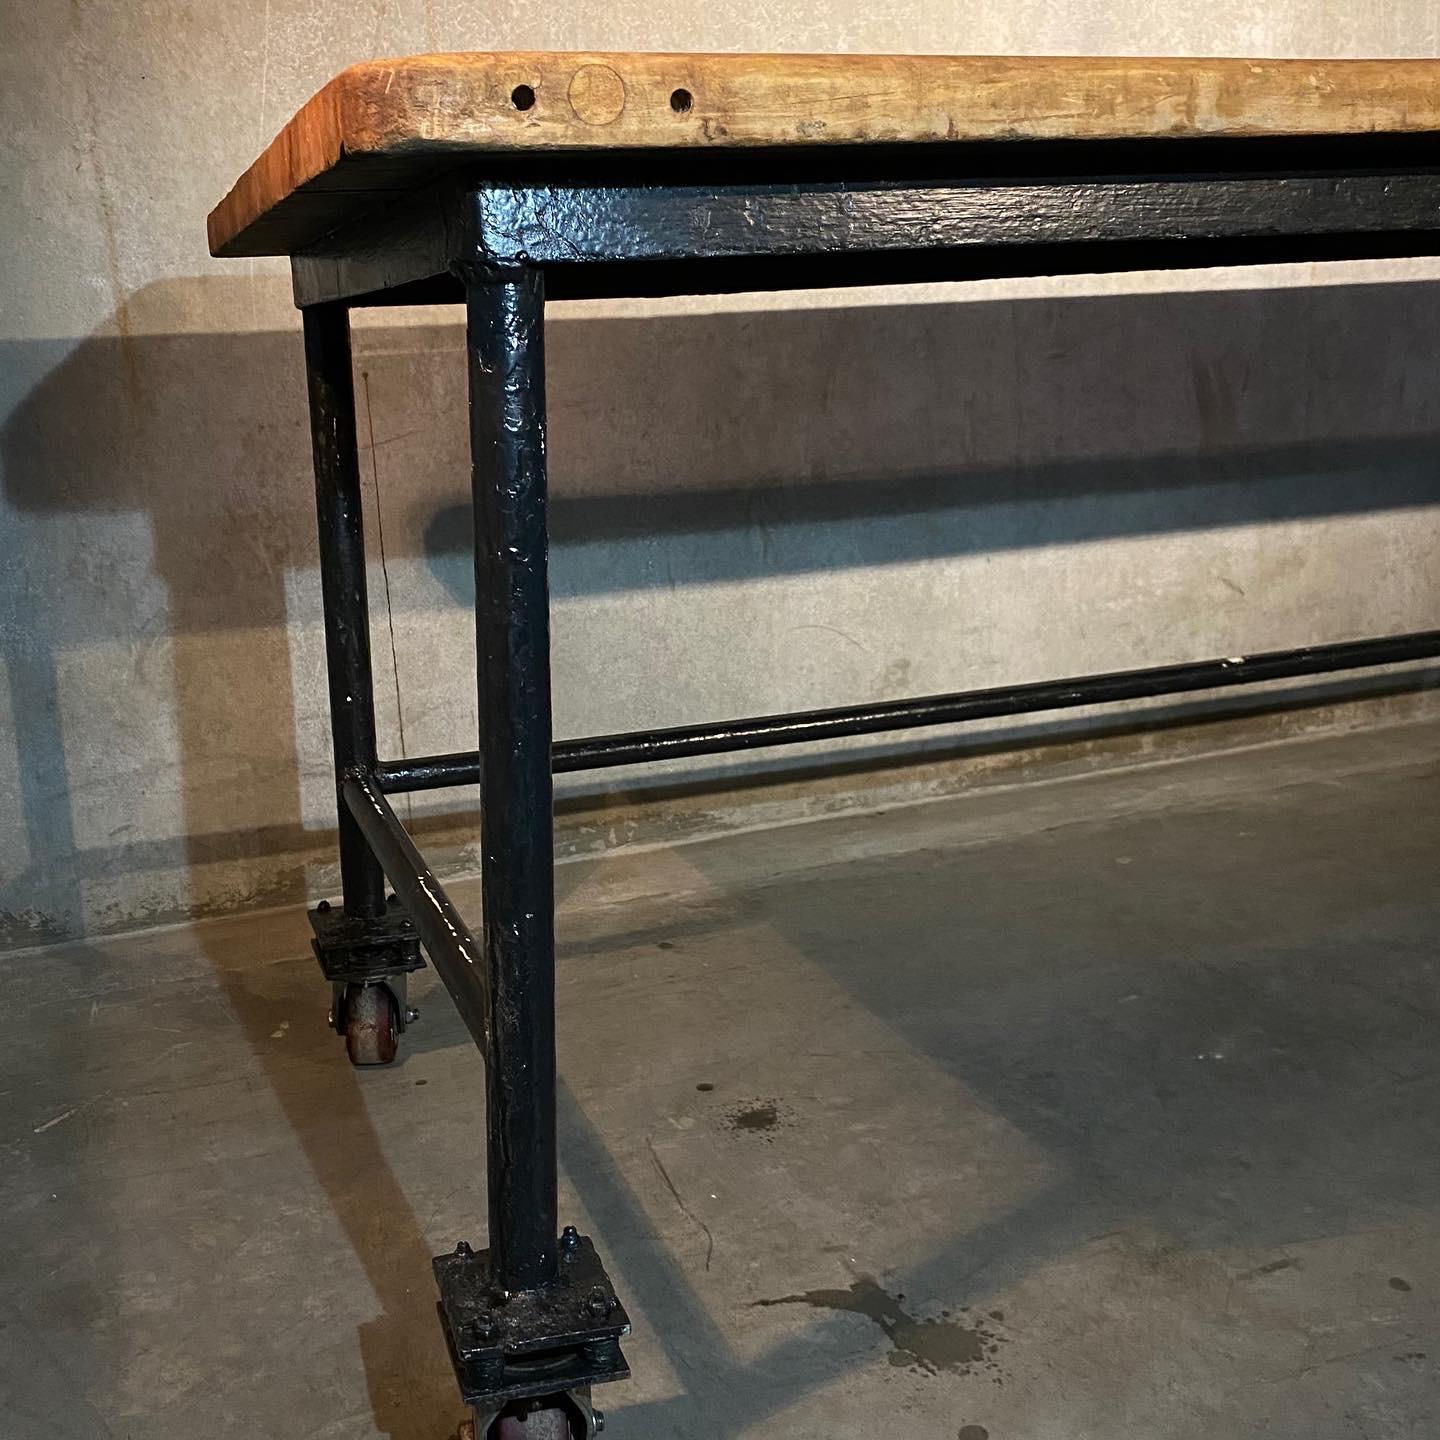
(367, 950)
(505, 342)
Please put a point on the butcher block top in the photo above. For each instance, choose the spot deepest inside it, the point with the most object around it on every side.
(392, 125)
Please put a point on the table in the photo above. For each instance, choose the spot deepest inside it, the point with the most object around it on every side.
(501, 179)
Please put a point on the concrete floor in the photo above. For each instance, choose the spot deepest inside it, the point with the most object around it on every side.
(1104, 1108)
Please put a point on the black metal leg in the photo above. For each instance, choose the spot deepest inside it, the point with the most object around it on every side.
(369, 948)
(532, 1321)
(342, 580)
(505, 340)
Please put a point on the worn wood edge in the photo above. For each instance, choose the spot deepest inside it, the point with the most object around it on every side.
(443, 104)
(310, 145)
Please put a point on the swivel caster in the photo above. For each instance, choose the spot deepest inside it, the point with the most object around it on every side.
(537, 1425)
(371, 1024)
(554, 1417)
(367, 960)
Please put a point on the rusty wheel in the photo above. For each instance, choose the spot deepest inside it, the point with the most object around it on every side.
(372, 1027)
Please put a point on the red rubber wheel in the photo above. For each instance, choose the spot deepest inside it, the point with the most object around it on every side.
(372, 1027)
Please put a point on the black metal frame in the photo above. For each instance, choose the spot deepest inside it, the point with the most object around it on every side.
(369, 941)
(535, 1315)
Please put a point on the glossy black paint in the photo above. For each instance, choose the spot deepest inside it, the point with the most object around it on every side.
(639, 747)
(356, 218)
(665, 224)
(505, 342)
(342, 583)
(542, 225)
(447, 939)
(359, 949)
(569, 1329)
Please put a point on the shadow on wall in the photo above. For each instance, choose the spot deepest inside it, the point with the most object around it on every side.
(162, 527)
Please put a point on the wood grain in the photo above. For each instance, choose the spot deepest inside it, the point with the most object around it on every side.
(421, 113)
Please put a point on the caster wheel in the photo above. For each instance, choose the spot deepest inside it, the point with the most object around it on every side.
(372, 1027)
(551, 1423)
(553, 1417)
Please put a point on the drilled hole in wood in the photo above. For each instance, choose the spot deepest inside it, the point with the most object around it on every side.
(681, 101)
(522, 97)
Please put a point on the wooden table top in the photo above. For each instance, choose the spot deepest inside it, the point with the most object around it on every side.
(389, 125)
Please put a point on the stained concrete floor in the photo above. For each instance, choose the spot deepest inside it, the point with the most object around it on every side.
(1105, 1108)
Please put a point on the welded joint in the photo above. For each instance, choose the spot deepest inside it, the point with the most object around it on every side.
(453, 950)
(475, 257)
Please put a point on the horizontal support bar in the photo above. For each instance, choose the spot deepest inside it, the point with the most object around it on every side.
(843, 216)
(435, 772)
(576, 224)
(447, 939)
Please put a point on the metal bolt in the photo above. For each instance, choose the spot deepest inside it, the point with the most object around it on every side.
(463, 1249)
(323, 907)
(392, 900)
(486, 1330)
(599, 1418)
(411, 1014)
(599, 1301)
(570, 1237)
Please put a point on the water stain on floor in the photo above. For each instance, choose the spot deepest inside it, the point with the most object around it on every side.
(931, 1346)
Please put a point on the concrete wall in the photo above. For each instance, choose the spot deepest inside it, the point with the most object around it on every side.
(755, 509)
